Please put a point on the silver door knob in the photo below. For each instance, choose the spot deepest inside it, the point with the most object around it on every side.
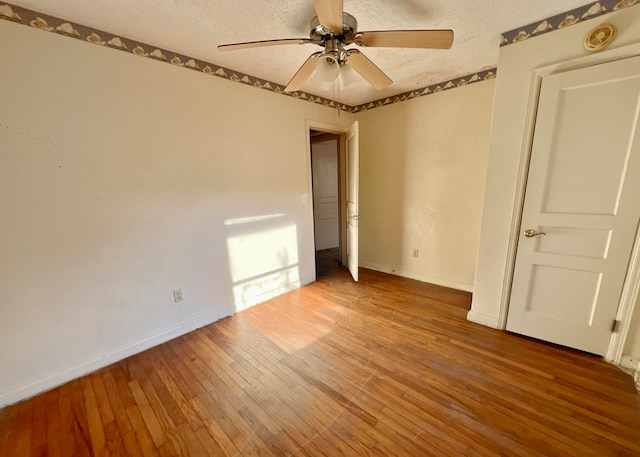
(530, 233)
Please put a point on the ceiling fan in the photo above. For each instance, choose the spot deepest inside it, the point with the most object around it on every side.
(333, 29)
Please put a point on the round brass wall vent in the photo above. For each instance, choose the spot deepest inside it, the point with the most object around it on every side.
(600, 37)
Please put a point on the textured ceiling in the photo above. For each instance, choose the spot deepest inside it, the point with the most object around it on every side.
(195, 27)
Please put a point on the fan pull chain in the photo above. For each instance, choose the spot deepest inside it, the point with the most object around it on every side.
(337, 99)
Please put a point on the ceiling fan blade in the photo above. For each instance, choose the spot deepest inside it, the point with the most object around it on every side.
(303, 73)
(329, 14)
(367, 69)
(430, 39)
(259, 44)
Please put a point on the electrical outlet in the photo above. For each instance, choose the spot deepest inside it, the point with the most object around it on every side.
(177, 296)
(415, 253)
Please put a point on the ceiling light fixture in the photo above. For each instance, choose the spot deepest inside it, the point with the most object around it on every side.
(328, 68)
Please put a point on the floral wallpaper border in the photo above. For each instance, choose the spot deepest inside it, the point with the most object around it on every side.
(56, 25)
(102, 38)
(433, 89)
(564, 20)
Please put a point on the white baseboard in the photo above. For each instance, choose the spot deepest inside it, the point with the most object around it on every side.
(69, 374)
(630, 362)
(54, 380)
(482, 319)
(375, 267)
(272, 293)
(418, 277)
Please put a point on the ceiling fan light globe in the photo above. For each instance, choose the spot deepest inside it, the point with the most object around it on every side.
(327, 69)
(348, 76)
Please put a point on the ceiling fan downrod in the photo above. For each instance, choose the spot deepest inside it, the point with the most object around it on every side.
(320, 34)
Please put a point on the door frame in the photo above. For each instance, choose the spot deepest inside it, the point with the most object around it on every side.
(342, 208)
(631, 287)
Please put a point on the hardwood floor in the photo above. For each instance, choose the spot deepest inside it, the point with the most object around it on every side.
(328, 262)
(385, 367)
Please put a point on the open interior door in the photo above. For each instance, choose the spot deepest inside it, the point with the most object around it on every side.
(352, 199)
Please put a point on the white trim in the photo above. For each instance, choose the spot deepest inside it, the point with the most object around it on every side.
(630, 362)
(309, 203)
(418, 276)
(521, 187)
(482, 319)
(628, 300)
(325, 127)
(328, 128)
(272, 293)
(71, 373)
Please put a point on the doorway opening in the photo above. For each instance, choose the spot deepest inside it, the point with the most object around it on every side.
(327, 176)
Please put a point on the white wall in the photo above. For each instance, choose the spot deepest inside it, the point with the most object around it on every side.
(507, 149)
(422, 175)
(121, 179)
(325, 194)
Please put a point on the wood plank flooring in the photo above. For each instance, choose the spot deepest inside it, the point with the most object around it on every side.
(384, 367)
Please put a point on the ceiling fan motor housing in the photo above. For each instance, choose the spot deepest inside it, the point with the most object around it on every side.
(320, 35)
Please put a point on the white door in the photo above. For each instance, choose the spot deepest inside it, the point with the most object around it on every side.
(326, 206)
(581, 208)
(352, 200)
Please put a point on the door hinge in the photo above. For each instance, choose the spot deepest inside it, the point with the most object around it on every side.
(614, 326)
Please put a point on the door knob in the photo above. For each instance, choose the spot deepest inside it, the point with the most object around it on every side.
(530, 233)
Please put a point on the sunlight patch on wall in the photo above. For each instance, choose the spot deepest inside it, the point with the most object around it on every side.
(263, 263)
(246, 220)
